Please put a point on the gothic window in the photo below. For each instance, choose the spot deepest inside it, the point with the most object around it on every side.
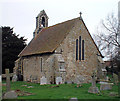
(82, 49)
(41, 64)
(43, 21)
(76, 49)
(79, 47)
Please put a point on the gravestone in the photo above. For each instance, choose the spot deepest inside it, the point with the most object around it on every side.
(115, 78)
(107, 78)
(106, 86)
(7, 80)
(10, 95)
(93, 88)
(43, 80)
(14, 78)
(7, 75)
(58, 80)
(73, 99)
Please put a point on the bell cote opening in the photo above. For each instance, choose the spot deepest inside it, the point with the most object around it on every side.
(43, 22)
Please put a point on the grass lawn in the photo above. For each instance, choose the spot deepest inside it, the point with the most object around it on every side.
(64, 91)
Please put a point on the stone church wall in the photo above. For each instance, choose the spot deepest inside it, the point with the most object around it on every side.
(79, 69)
(34, 71)
(62, 63)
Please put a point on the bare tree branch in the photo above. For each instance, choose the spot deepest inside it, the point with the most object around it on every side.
(108, 35)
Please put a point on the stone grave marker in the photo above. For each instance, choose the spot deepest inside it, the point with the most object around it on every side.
(115, 78)
(107, 78)
(14, 78)
(7, 80)
(10, 95)
(93, 88)
(58, 80)
(73, 99)
(106, 86)
(43, 80)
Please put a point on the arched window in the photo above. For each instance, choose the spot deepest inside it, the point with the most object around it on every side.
(43, 21)
(76, 49)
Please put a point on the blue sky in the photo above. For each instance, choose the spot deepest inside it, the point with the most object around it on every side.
(21, 14)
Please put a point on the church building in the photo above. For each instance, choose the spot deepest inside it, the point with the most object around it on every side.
(64, 52)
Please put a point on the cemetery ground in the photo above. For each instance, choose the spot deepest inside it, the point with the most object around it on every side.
(62, 91)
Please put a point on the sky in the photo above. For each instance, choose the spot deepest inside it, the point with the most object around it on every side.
(21, 14)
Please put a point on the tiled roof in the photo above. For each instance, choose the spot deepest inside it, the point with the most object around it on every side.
(49, 38)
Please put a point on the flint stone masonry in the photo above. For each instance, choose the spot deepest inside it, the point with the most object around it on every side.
(79, 79)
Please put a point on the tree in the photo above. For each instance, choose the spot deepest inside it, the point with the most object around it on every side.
(108, 36)
(109, 41)
(11, 47)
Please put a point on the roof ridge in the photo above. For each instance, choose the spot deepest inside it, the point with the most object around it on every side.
(55, 25)
(62, 22)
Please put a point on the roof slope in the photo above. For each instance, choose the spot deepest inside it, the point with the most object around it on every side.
(49, 38)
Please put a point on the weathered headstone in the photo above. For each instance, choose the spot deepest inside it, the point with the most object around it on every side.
(43, 80)
(30, 87)
(107, 78)
(10, 95)
(7, 80)
(93, 88)
(115, 78)
(73, 99)
(106, 86)
(58, 80)
(14, 78)
(113, 94)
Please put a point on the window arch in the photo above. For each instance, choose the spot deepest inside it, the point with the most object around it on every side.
(43, 21)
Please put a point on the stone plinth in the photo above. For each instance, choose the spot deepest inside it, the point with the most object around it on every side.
(10, 95)
(93, 90)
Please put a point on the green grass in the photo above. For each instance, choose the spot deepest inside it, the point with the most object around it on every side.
(64, 91)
